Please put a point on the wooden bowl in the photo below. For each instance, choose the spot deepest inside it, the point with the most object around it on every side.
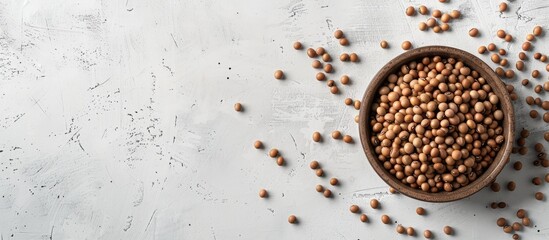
(492, 79)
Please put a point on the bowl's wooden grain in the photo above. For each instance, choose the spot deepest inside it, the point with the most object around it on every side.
(497, 86)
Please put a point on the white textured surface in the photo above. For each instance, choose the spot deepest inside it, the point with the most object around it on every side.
(118, 122)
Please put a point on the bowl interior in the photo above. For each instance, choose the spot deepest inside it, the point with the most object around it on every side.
(492, 79)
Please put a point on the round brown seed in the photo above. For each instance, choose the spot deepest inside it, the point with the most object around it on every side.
(334, 89)
(319, 172)
(406, 45)
(238, 107)
(262, 193)
(448, 230)
(501, 33)
(482, 49)
(273, 152)
(316, 64)
(400, 229)
(491, 47)
(336, 134)
(536, 181)
(525, 82)
(319, 188)
(507, 229)
(317, 137)
(280, 161)
(517, 165)
(363, 218)
(526, 46)
(420, 211)
(279, 74)
(427, 234)
(530, 37)
(511, 186)
(547, 178)
(539, 196)
(508, 38)
(410, 11)
(384, 44)
(311, 53)
(501, 222)
(326, 57)
(495, 187)
(353, 57)
(385, 219)
(526, 221)
(445, 18)
(410, 231)
(546, 136)
(423, 10)
(422, 26)
(520, 65)
(455, 14)
(320, 76)
(537, 31)
(516, 226)
(338, 34)
(349, 101)
(314, 164)
(297, 45)
(502, 205)
(354, 209)
(344, 80)
(347, 139)
(344, 57)
(292, 219)
(334, 181)
(320, 51)
(473, 32)
(436, 13)
(344, 42)
(495, 58)
(533, 114)
(521, 213)
(327, 193)
(503, 7)
(258, 144)
(374, 203)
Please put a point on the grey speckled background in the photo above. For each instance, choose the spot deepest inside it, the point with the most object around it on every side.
(117, 119)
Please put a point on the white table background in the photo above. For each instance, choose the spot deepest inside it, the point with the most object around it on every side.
(118, 123)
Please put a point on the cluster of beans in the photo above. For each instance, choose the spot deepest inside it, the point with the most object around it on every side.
(436, 124)
(432, 22)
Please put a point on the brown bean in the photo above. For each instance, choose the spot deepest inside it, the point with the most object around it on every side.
(539, 196)
(311, 53)
(448, 230)
(503, 7)
(317, 137)
(374, 203)
(385, 219)
(297, 45)
(338, 34)
(406, 45)
(344, 42)
(363, 218)
(354, 209)
(327, 193)
(410, 11)
(319, 188)
(473, 32)
(314, 164)
(347, 139)
(292, 219)
(420, 211)
(537, 31)
(273, 152)
(262, 193)
(384, 44)
(238, 107)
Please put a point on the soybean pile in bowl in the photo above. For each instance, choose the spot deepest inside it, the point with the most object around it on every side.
(437, 124)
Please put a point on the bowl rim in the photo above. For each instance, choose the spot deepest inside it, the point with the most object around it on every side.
(498, 87)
